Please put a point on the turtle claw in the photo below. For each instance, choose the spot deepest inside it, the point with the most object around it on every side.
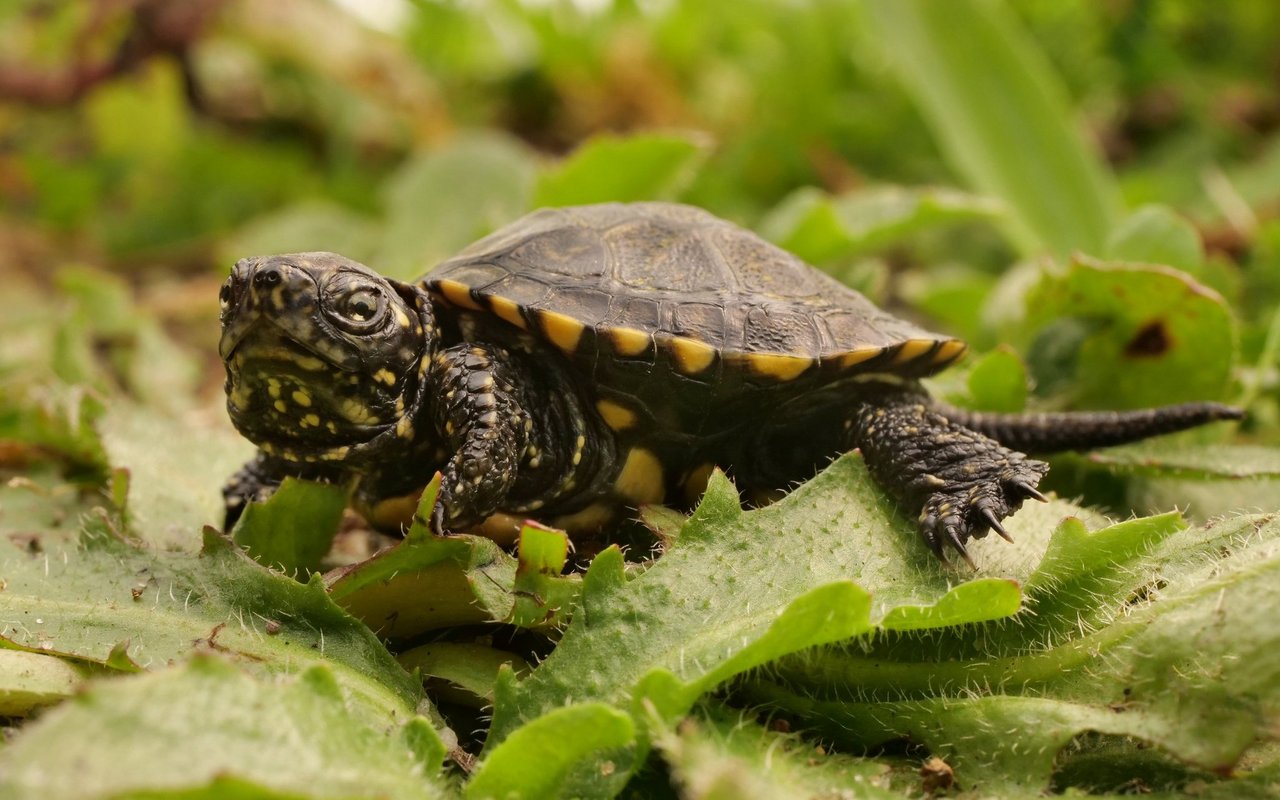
(956, 539)
(993, 522)
(1027, 489)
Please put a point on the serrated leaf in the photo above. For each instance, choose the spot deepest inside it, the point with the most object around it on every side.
(1134, 336)
(621, 169)
(31, 680)
(821, 229)
(167, 606)
(585, 750)
(294, 528)
(1187, 664)
(1002, 117)
(718, 754)
(722, 599)
(427, 582)
(541, 591)
(208, 725)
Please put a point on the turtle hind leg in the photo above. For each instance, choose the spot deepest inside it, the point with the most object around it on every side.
(961, 483)
(1081, 430)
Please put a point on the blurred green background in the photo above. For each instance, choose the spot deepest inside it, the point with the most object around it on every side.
(934, 156)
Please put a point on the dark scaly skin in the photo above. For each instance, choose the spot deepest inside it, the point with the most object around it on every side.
(478, 415)
(963, 482)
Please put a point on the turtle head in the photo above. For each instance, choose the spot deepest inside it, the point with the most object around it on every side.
(322, 354)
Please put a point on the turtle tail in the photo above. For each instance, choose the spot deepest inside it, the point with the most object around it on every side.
(1082, 430)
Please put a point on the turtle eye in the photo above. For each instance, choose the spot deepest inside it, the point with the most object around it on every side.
(360, 306)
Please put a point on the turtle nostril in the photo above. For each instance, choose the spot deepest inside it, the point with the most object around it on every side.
(267, 276)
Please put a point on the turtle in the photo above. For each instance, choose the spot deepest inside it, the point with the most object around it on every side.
(585, 361)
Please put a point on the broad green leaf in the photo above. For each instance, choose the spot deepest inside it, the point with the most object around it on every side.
(1156, 235)
(164, 606)
(171, 493)
(470, 669)
(207, 726)
(1147, 629)
(618, 169)
(722, 600)
(718, 754)
(584, 750)
(820, 228)
(1128, 336)
(427, 582)
(998, 382)
(441, 201)
(1166, 458)
(1002, 117)
(294, 528)
(31, 680)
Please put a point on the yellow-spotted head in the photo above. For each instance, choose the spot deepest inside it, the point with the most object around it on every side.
(321, 353)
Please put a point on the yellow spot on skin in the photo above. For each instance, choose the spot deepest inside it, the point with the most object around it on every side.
(949, 351)
(628, 341)
(589, 520)
(696, 483)
(280, 406)
(458, 294)
(777, 366)
(354, 411)
(404, 428)
(336, 454)
(402, 319)
(385, 376)
(312, 420)
(301, 398)
(273, 387)
(309, 363)
(563, 331)
(640, 480)
(691, 355)
(855, 357)
(616, 416)
(507, 310)
(912, 349)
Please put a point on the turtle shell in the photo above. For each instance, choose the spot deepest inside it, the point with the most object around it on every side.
(673, 282)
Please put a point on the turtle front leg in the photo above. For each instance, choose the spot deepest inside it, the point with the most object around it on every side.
(479, 416)
(961, 482)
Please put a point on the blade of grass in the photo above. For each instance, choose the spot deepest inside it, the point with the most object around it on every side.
(1002, 117)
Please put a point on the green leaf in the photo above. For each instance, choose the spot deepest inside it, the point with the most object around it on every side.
(470, 669)
(1129, 336)
(541, 592)
(821, 229)
(31, 680)
(1164, 458)
(439, 202)
(167, 606)
(585, 750)
(171, 494)
(427, 582)
(1146, 629)
(209, 726)
(294, 528)
(618, 169)
(718, 754)
(998, 382)
(1157, 235)
(721, 601)
(1002, 117)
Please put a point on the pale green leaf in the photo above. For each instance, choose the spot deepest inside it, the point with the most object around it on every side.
(618, 169)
